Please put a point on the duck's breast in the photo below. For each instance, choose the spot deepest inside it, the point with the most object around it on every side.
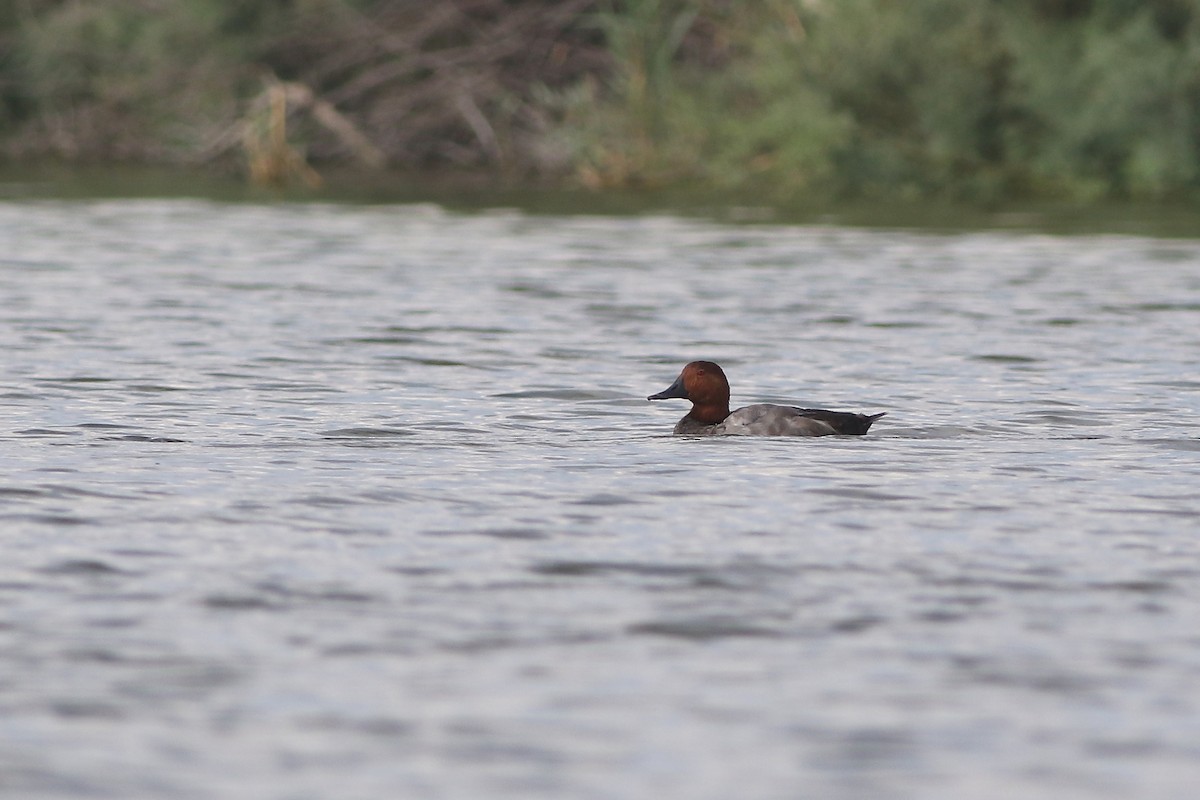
(690, 427)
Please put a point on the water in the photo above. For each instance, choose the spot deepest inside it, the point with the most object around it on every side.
(315, 501)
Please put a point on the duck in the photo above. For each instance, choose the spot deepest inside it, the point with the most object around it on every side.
(705, 384)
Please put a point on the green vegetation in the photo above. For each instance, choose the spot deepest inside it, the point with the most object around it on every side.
(977, 100)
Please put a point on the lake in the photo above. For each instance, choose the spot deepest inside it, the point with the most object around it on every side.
(338, 501)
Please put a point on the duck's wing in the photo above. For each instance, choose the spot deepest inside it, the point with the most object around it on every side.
(770, 420)
(843, 422)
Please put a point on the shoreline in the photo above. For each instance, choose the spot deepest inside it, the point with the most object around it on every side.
(480, 191)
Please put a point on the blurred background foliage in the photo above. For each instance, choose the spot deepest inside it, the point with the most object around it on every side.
(976, 100)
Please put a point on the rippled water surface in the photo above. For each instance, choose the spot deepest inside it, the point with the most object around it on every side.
(345, 502)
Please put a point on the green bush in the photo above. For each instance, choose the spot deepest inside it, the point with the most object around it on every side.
(978, 100)
(1116, 104)
(117, 80)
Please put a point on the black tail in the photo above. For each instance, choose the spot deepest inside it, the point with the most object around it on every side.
(844, 422)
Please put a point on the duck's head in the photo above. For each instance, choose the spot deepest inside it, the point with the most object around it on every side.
(705, 384)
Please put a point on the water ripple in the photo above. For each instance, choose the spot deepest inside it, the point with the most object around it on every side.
(368, 501)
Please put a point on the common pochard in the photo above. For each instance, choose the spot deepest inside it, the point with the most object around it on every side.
(705, 384)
